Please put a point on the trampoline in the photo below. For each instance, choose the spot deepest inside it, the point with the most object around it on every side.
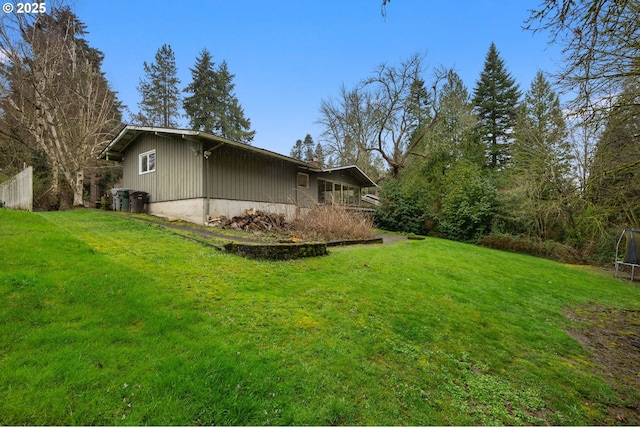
(627, 250)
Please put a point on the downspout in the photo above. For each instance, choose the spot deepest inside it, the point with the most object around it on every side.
(205, 185)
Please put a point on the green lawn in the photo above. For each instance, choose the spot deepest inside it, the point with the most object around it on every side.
(109, 320)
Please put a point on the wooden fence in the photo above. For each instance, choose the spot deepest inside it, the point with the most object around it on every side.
(17, 192)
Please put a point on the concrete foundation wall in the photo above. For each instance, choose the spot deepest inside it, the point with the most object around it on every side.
(231, 208)
(17, 192)
(192, 210)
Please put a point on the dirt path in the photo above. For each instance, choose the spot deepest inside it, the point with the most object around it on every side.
(388, 239)
(612, 336)
(202, 231)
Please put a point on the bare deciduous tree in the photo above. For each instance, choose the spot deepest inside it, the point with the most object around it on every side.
(601, 45)
(348, 128)
(388, 114)
(54, 92)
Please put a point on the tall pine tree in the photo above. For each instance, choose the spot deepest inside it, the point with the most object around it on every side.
(200, 105)
(308, 148)
(212, 106)
(229, 113)
(306, 151)
(495, 99)
(320, 154)
(452, 135)
(296, 150)
(540, 185)
(159, 91)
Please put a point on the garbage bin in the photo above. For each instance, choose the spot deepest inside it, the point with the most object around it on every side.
(137, 199)
(117, 199)
(123, 196)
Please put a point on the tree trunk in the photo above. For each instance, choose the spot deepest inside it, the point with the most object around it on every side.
(55, 181)
(93, 189)
(78, 189)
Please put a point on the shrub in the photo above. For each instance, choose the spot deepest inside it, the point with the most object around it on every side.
(402, 210)
(596, 231)
(470, 204)
(333, 222)
(533, 246)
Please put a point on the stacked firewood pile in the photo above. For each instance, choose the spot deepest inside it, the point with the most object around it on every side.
(252, 221)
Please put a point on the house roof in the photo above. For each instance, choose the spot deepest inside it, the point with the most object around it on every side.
(354, 171)
(129, 133)
(116, 149)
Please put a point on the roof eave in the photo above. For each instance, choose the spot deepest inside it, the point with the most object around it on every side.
(125, 137)
(357, 169)
(262, 151)
(130, 132)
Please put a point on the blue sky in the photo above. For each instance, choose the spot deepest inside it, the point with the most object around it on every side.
(289, 55)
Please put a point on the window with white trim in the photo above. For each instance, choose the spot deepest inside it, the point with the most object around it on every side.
(147, 162)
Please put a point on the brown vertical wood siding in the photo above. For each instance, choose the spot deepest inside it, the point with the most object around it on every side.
(178, 172)
(234, 173)
(237, 174)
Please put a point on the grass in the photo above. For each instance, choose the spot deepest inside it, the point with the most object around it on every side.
(108, 320)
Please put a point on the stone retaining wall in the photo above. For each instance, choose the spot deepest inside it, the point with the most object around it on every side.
(280, 251)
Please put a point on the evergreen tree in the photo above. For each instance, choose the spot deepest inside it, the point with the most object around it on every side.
(308, 148)
(212, 106)
(159, 90)
(418, 112)
(495, 99)
(445, 144)
(200, 106)
(470, 204)
(452, 136)
(296, 150)
(320, 154)
(613, 182)
(229, 114)
(423, 184)
(306, 151)
(539, 173)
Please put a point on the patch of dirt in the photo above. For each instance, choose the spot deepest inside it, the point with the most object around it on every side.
(202, 231)
(388, 239)
(612, 337)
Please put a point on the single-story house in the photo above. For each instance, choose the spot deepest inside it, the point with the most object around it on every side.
(195, 176)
